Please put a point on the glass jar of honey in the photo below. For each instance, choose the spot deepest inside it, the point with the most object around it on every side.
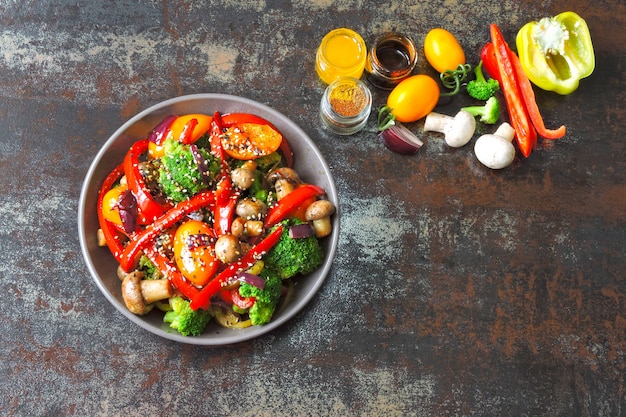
(342, 53)
(391, 58)
(346, 106)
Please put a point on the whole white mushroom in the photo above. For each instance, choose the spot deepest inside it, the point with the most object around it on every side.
(495, 150)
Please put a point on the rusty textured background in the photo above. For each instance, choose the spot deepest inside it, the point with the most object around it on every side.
(456, 291)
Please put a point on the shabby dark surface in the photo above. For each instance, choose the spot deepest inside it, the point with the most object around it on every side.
(456, 291)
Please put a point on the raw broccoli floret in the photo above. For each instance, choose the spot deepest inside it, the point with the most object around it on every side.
(179, 176)
(267, 298)
(186, 321)
(481, 88)
(150, 271)
(489, 113)
(294, 256)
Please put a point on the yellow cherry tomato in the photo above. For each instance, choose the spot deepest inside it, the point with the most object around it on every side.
(194, 253)
(109, 204)
(413, 98)
(443, 51)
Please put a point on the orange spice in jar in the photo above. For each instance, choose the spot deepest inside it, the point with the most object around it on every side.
(346, 106)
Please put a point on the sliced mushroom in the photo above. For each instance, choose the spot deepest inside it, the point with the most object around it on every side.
(139, 294)
(227, 248)
(318, 213)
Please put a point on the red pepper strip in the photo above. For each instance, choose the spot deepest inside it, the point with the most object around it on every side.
(528, 94)
(148, 207)
(168, 269)
(140, 240)
(233, 297)
(111, 235)
(203, 299)
(525, 132)
(187, 132)
(291, 202)
(216, 136)
(490, 63)
(225, 201)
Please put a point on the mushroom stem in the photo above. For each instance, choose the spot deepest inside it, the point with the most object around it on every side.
(155, 290)
(457, 130)
(139, 293)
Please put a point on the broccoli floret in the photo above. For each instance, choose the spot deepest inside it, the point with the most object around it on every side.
(489, 113)
(481, 88)
(179, 176)
(267, 298)
(186, 321)
(267, 162)
(294, 256)
(150, 271)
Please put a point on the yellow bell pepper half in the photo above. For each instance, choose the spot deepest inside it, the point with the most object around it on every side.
(556, 52)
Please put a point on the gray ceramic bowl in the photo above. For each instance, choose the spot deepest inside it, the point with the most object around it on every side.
(308, 162)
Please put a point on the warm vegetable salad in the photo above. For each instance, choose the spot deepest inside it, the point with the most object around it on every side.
(210, 222)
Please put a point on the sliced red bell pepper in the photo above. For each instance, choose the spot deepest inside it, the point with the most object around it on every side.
(139, 241)
(490, 63)
(168, 269)
(528, 94)
(186, 136)
(225, 201)
(216, 131)
(232, 296)
(525, 132)
(291, 202)
(203, 299)
(148, 207)
(112, 235)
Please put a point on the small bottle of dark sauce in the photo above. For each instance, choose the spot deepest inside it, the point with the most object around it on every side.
(391, 59)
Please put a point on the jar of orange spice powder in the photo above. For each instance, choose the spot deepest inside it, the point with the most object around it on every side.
(346, 106)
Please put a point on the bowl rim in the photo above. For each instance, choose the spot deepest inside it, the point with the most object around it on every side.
(278, 119)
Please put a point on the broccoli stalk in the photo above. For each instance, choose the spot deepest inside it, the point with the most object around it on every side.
(186, 321)
(489, 113)
(292, 256)
(266, 299)
(481, 88)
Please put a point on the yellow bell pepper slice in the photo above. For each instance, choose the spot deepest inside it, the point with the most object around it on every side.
(556, 52)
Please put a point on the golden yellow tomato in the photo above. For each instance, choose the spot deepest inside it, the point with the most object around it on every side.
(177, 132)
(194, 253)
(413, 98)
(443, 51)
(109, 204)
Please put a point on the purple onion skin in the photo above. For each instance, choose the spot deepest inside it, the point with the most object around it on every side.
(157, 135)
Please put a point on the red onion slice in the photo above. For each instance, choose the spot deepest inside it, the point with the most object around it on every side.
(127, 207)
(298, 231)
(399, 139)
(157, 135)
(201, 163)
(251, 279)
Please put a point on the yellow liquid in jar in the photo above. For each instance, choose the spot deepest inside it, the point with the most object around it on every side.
(342, 53)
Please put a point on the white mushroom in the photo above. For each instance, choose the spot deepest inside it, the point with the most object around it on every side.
(284, 180)
(250, 208)
(139, 294)
(243, 176)
(457, 130)
(227, 248)
(495, 150)
(318, 213)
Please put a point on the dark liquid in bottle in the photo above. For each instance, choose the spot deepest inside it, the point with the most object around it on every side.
(393, 57)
